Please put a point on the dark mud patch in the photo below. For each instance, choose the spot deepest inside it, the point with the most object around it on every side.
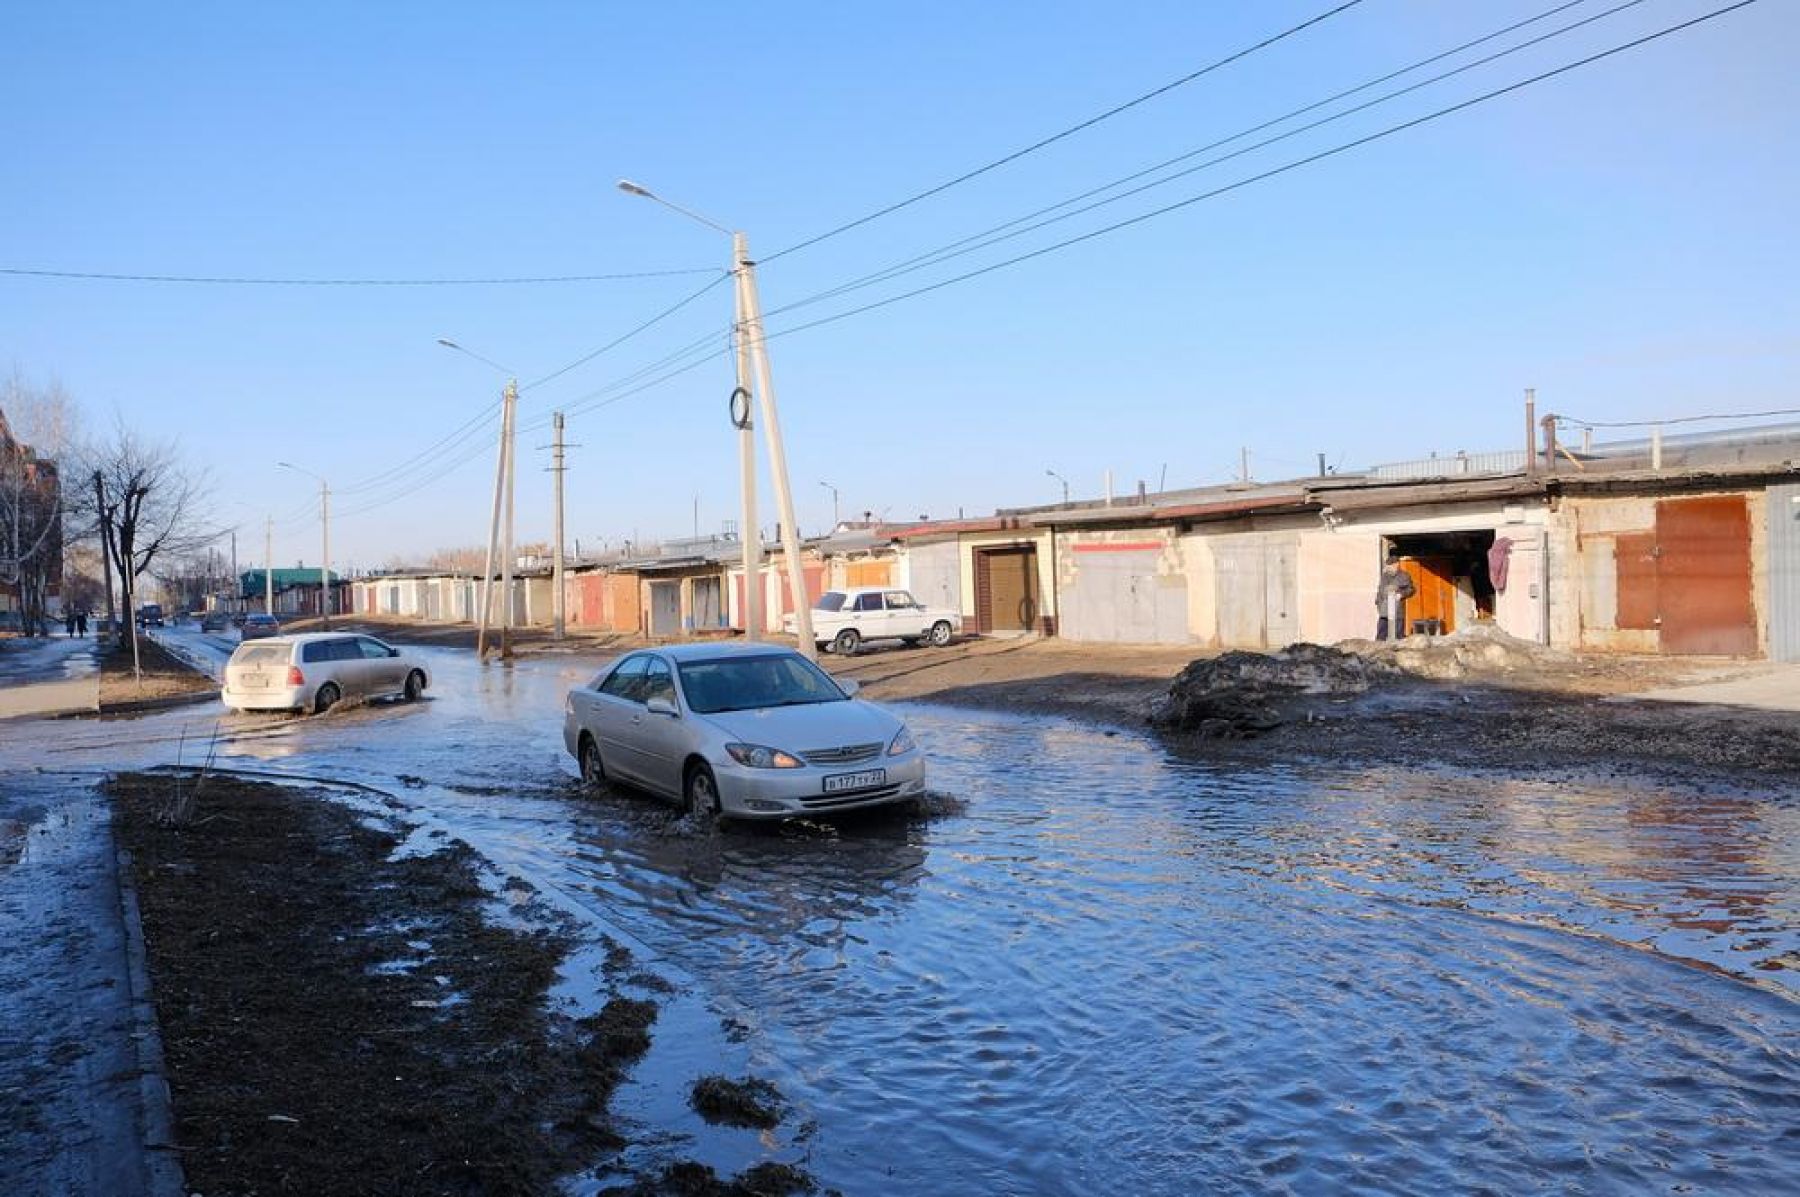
(690, 1179)
(301, 1059)
(751, 1102)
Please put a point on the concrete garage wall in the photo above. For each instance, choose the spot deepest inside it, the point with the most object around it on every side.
(1121, 586)
(1338, 572)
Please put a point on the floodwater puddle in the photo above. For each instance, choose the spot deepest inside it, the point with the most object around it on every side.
(1093, 965)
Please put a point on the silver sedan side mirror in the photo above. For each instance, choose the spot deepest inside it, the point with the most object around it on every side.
(661, 706)
(848, 685)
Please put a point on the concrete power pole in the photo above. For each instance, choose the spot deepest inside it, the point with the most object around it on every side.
(506, 532)
(556, 554)
(784, 498)
(748, 534)
(325, 566)
(502, 484)
(269, 566)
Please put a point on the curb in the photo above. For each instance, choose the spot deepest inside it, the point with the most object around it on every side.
(161, 1163)
(136, 705)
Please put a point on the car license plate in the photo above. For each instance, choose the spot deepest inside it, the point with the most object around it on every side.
(255, 681)
(838, 783)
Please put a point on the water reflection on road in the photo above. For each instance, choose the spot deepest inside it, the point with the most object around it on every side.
(1101, 967)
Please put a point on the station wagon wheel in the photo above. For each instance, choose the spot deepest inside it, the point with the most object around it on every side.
(701, 792)
(326, 698)
(846, 642)
(939, 634)
(415, 685)
(593, 770)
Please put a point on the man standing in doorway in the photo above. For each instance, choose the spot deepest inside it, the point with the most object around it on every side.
(1391, 593)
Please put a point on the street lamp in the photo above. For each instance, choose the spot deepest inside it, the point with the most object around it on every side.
(325, 526)
(836, 518)
(1065, 485)
(753, 353)
(503, 499)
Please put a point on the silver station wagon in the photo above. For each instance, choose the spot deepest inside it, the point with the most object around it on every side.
(752, 731)
(315, 670)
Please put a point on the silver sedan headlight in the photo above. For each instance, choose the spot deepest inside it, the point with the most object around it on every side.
(757, 756)
(903, 743)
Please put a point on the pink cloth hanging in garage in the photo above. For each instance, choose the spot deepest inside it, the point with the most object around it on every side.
(1499, 560)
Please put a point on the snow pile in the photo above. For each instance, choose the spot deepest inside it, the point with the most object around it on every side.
(1243, 694)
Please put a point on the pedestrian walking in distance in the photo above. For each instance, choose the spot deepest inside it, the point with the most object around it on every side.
(68, 623)
(1395, 587)
(81, 623)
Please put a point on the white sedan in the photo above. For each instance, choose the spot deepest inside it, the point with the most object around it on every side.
(754, 731)
(315, 670)
(844, 619)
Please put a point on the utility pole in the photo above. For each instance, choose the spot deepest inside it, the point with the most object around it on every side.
(1244, 464)
(269, 566)
(235, 585)
(325, 566)
(784, 498)
(748, 534)
(556, 555)
(105, 551)
(506, 533)
(507, 399)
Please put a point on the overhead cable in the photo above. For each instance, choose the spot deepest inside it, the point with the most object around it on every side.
(239, 281)
(999, 233)
(1333, 151)
(1089, 123)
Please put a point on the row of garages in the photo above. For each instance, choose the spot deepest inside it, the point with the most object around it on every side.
(1692, 562)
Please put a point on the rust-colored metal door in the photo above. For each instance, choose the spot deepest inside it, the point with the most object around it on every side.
(1006, 589)
(1703, 576)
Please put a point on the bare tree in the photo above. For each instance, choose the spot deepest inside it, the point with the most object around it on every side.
(37, 427)
(146, 504)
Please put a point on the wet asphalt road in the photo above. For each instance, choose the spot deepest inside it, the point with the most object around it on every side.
(1095, 966)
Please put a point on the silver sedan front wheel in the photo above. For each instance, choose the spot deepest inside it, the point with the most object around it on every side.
(701, 792)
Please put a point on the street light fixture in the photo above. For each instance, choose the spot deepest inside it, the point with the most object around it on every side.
(1065, 485)
(325, 597)
(753, 354)
(836, 518)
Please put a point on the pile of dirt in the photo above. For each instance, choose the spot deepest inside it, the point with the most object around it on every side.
(1481, 650)
(1242, 694)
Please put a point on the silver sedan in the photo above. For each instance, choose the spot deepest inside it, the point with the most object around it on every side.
(753, 731)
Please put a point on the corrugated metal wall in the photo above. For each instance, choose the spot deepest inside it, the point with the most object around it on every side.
(1784, 572)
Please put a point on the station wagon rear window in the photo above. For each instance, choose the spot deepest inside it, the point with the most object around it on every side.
(260, 654)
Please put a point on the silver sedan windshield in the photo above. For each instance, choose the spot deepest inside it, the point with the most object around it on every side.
(751, 683)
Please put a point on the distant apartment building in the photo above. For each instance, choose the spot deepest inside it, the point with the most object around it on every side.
(31, 535)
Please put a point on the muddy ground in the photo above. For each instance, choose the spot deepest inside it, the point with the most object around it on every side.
(160, 675)
(338, 1017)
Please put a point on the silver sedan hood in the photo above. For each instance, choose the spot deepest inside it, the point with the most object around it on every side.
(808, 727)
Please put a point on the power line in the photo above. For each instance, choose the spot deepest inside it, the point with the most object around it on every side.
(239, 281)
(624, 337)
(1738, 415)
(991, 236)
(1089, 123)
(1264, 175)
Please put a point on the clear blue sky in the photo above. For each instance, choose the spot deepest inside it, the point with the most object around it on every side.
(1621, 238)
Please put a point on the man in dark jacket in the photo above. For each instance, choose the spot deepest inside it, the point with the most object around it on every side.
(1391, 593)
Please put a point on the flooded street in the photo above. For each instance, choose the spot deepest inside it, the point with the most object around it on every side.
(1095, 965)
